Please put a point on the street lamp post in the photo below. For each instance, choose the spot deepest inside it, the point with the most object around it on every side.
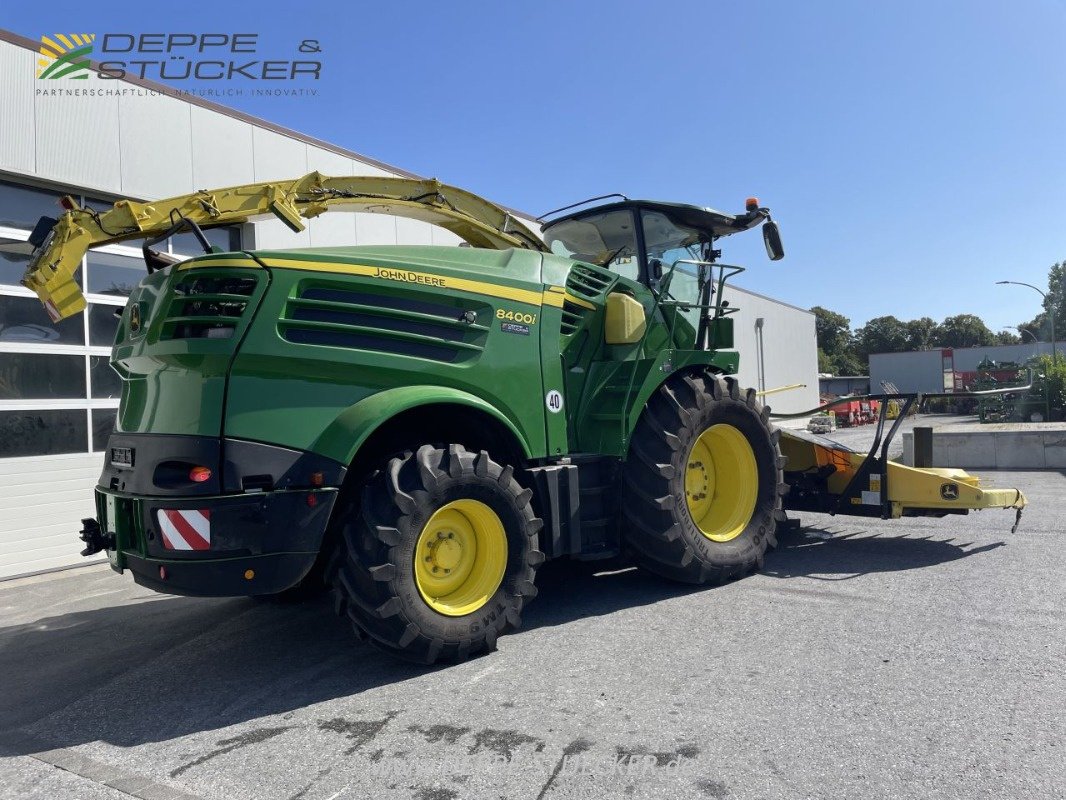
(1022, 330)
(1051, 313)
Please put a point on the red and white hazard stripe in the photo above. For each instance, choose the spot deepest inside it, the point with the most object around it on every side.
(185, 529)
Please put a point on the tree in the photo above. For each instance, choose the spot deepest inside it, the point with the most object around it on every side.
(882, 335)
(921, 333)
(1040, 325)
(965, 330)
(836, 347)
(833, 330)
(1007, 337)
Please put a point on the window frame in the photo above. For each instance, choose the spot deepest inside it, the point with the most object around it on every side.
(85, 350)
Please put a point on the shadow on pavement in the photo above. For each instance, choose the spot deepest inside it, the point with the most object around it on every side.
(162, 668)
(838, 554)
(154, 669)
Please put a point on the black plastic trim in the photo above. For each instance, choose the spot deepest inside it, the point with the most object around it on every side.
(157, 471)
(272, 574)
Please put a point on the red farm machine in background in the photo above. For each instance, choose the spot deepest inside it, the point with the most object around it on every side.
(850, 413)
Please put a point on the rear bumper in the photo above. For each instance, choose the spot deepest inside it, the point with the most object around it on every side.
(260, 543)
(231, 577)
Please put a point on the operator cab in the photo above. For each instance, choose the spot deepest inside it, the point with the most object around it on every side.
(647, 241)
(642, 239)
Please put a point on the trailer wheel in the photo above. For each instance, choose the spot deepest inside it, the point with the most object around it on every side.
(703, 481)
(438, 558)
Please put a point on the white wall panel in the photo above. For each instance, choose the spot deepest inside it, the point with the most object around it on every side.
(221, 150)
(78, 136)
(789, 351)
(444, 237)
(362, 168)
(413, 231)
(328, 163)
(18, 67)
(336, 228)
(156, 138)
(375, 229)
(42, 503)
(277, 157)
(273, 234)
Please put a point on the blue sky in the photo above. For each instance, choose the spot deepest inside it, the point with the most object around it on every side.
(913, 152)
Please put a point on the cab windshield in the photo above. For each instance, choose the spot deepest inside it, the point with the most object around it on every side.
(610, 239)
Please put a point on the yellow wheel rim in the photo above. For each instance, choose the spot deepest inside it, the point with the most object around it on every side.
(460, 557)
(721, 483)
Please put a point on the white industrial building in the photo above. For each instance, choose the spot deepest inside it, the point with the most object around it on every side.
(58, 395)
(930, 371)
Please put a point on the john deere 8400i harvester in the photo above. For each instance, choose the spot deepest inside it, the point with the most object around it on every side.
(421, 427)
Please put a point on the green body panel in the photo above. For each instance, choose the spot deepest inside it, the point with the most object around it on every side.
(293, 393)
(610, 384)
(327, 344)
(173, 385)
(343, 438)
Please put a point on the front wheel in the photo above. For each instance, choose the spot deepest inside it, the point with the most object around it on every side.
(439, 557)
(703, 481)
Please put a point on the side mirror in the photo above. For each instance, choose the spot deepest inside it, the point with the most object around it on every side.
(771, 237)
(655, 269)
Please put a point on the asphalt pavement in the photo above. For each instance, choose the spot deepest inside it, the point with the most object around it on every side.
(896, 659)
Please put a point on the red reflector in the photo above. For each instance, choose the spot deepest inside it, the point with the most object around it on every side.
(317, 478)
(67, 202)
(199, 474)
(312, 500)
(162, 573)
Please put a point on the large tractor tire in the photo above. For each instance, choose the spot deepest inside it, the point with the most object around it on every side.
(438, 557)
(703, 481)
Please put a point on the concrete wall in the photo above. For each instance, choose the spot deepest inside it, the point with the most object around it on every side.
(1036, 446)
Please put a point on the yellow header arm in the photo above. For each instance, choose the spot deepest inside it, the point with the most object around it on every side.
(59, 254)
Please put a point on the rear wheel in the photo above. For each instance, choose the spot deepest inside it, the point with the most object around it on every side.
(703, 481)
(438, 558)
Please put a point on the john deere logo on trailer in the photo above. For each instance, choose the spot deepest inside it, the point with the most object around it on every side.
(65, 55)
